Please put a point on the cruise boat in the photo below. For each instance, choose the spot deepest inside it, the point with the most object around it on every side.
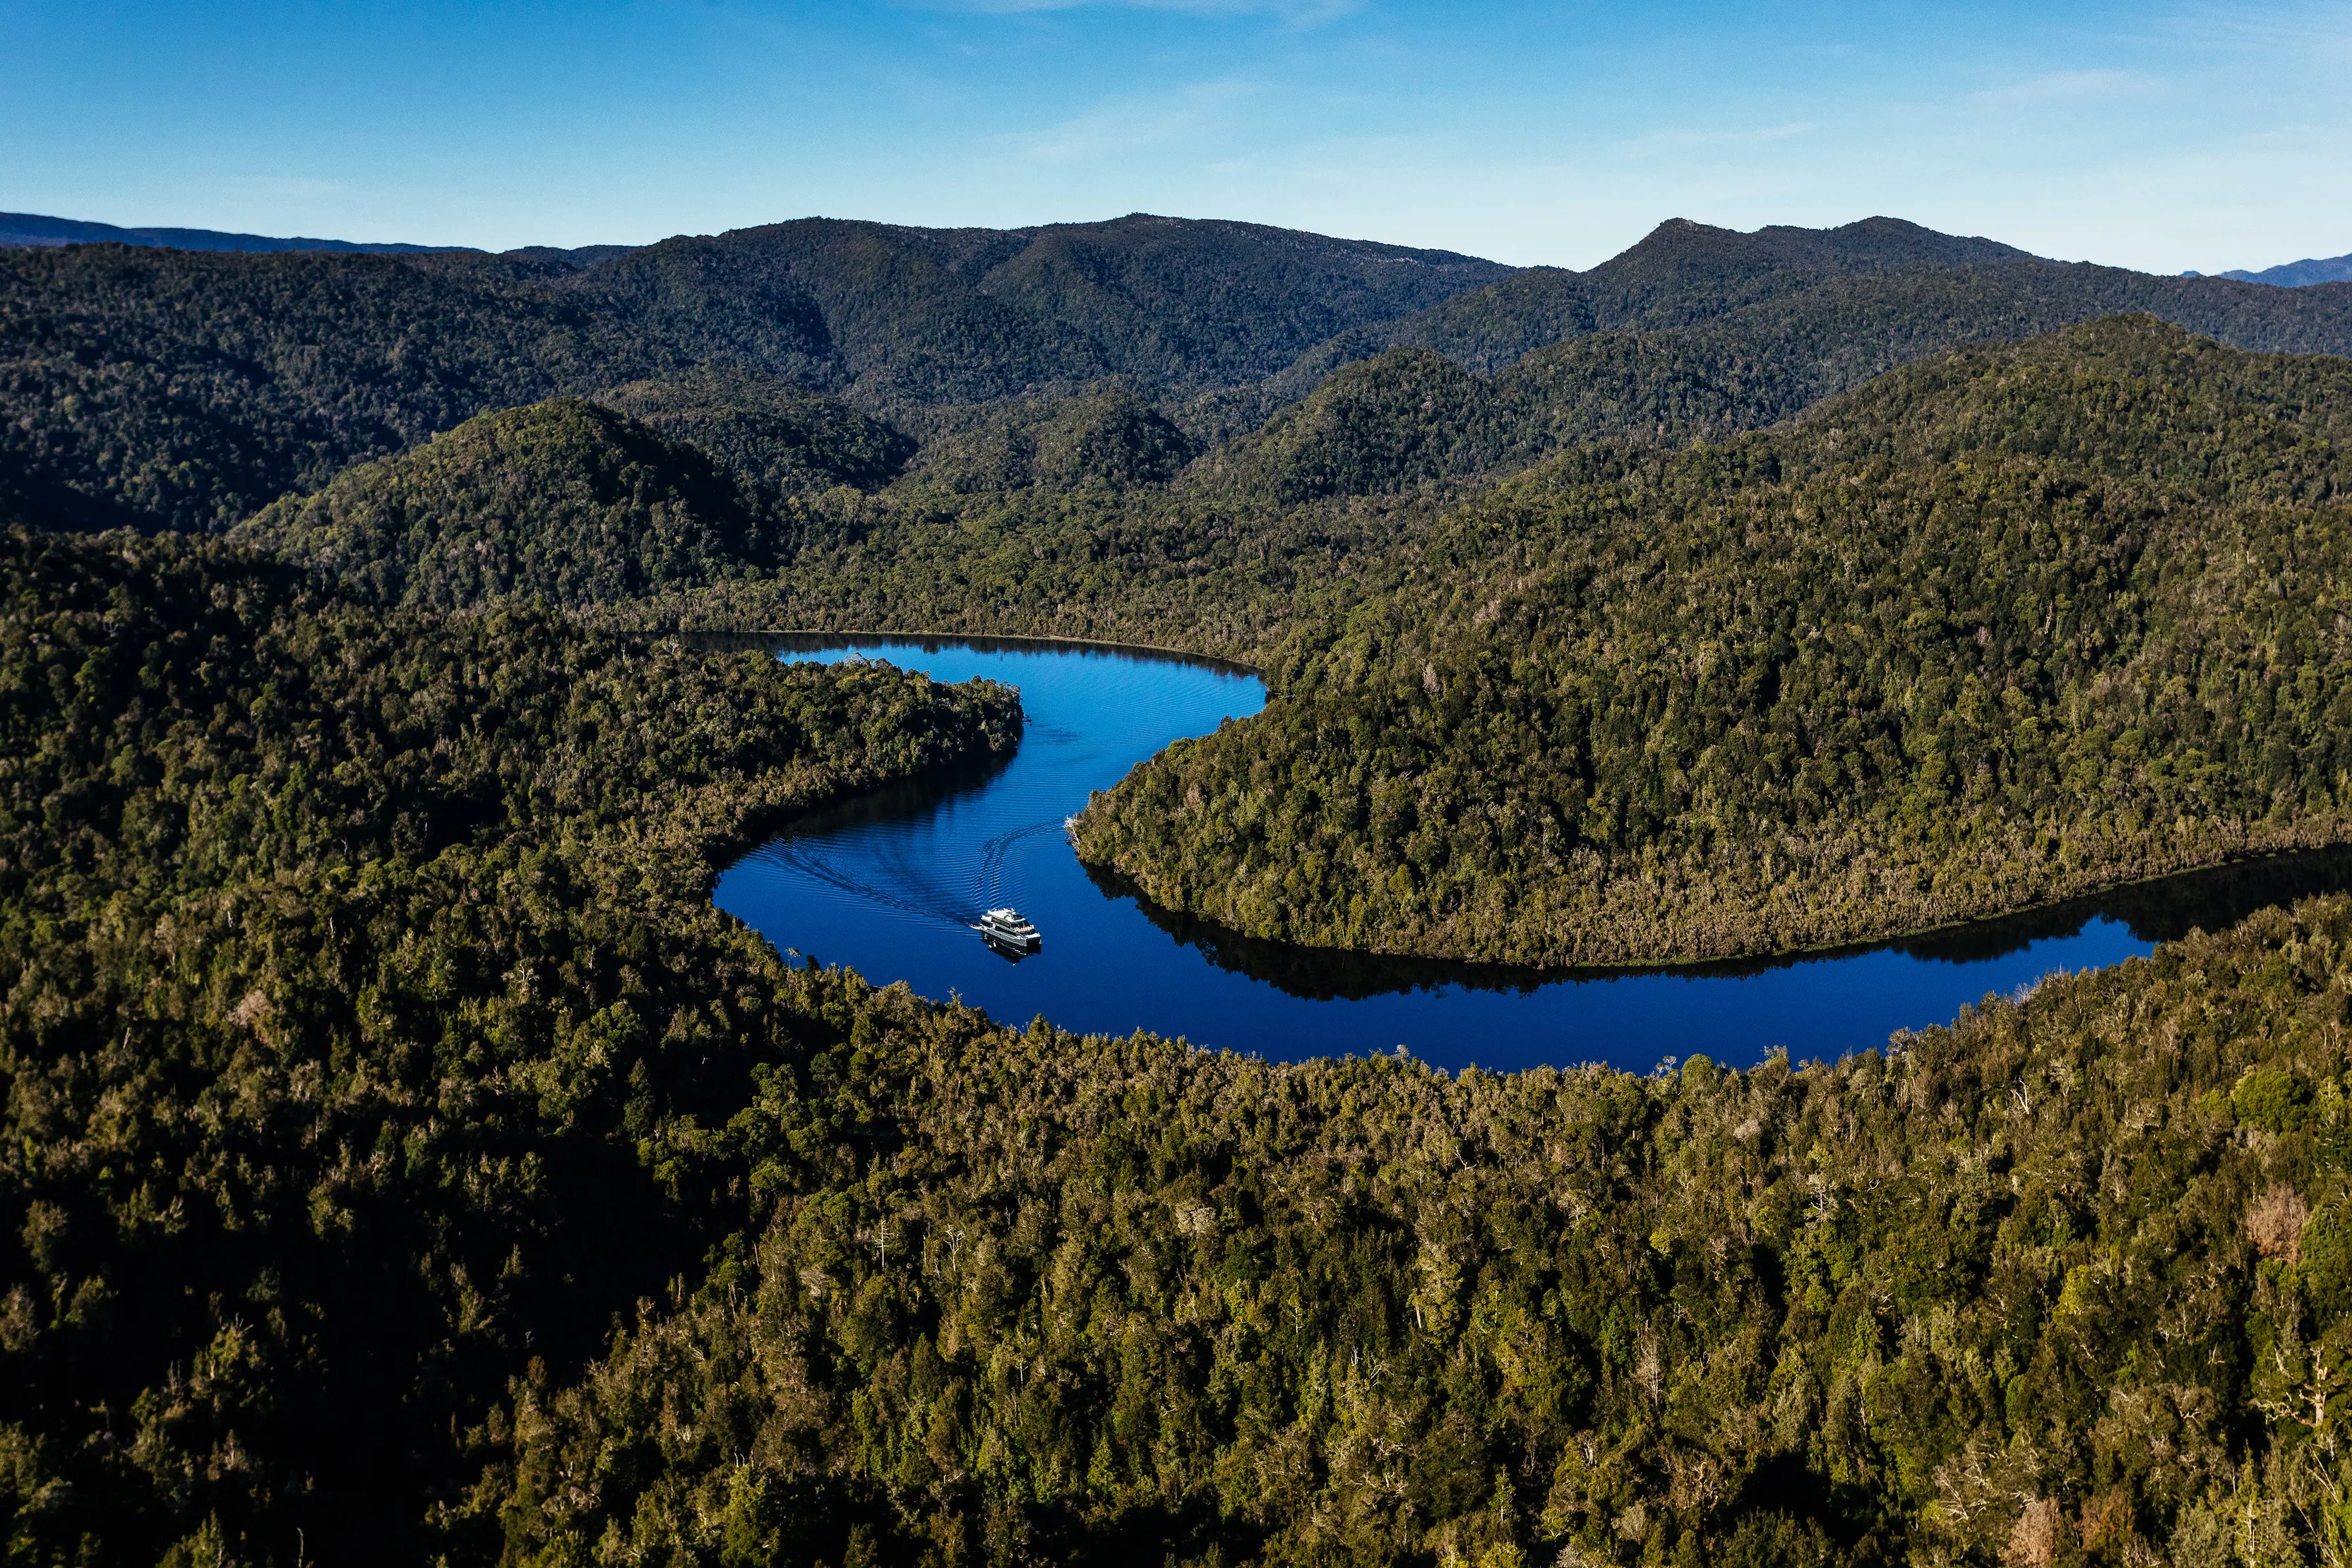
(1005, 928)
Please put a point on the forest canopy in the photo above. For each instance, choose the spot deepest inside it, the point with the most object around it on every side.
(366, 1023)
(566, 501)
(406, 1163)
(1984, 634)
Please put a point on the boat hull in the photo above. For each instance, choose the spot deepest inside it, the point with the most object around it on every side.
(1005, 931)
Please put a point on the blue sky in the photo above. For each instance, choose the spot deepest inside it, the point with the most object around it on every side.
(2153, 135)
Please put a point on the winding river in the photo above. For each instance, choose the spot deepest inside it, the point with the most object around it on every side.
(891, 883)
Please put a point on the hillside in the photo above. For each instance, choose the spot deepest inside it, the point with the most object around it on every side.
(893, 315)
(1870, 274)
(2300, 273)
(1694, 332)
(153, 387)
(1274, 522)
(1077, 447)
(1981, 634)
(772, 432)
(164, 388)
(365, 1027)
(566, 500)
(169, 388)
(406, 1163)
(1413, 417)
(18, 229)
(1680, 273)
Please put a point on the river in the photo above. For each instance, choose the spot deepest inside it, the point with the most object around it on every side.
(891, 883)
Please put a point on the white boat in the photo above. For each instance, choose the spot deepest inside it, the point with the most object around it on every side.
(1006, 928)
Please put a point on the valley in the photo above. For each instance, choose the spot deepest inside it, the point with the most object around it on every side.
(408, 1162)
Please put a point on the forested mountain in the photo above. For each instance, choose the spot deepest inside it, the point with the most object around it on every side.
(366, 1028)
(1979, 635)
(175, 389)
(770, 431)
(157, 387)
(1413, 416)
(407, 1164)
(1680, 273)
(1875, 273)
(566, 501)
(579, 504)
(893, 315)
(160, 387)
(33, 229)
(2299, 274)
(1695, 331)
(1102, 438)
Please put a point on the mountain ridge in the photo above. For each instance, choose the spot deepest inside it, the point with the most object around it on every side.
(159, 388)
(406, 1161)
(1909, 659)
(890, 313)
(1683, 274)
(20, 230)
(2298, 274)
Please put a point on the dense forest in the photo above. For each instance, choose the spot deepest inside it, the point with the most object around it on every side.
(407, 1162)
(366, 1032)
(565, 501)
(1991, 632)
(153, 387)
(1878, 275)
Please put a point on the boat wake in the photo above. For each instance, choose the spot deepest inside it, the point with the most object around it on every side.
(988, 880)
(908, 889)
(915, 882)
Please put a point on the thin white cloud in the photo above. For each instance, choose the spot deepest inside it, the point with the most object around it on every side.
(2322, 29)
(281, 189)
(1676, 138)
(1124, 126)
(1291, 12)
(2070, 87)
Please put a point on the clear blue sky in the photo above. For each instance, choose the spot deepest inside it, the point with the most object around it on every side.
(2156, 135)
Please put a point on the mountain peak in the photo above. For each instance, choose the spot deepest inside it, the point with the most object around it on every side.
(1868, 244)
(2299, 274)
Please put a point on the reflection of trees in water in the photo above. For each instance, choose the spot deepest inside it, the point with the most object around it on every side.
(2162, 910)
(877, 868)
(1318, 973)
(904, 803)
(828, 641)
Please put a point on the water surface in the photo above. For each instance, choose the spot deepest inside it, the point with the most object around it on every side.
(891, 883)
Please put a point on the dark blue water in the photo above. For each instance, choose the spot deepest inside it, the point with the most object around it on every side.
(890, 885)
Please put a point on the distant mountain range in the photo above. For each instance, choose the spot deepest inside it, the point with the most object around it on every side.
(2295, 274)
(18, 230)
(1790, 245)
(373, 1046)
(189, 388)
(32, 231)
(178, 387)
